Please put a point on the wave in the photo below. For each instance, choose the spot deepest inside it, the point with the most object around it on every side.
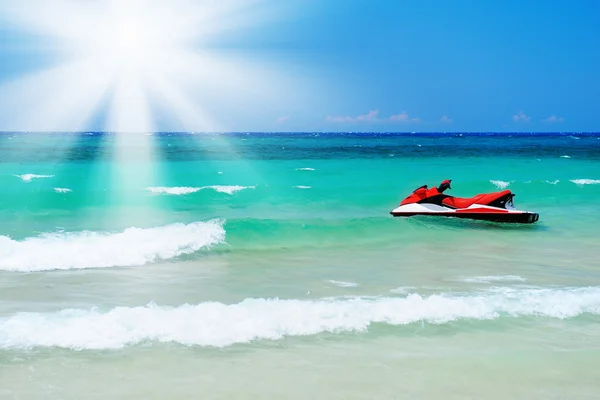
(500, 184)
(132, 247)
(582, 182)
(503, 184)
(30, 177)
(495, 278)
(344, 284)
(180, 190)
(565, 156)
(214, 324)
(62, 190)
(177, 190)
(229, 189)
(305, 169)
(302, 187)
(403, 289)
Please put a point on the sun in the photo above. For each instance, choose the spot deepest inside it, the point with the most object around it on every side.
(133, 35)
(130, 43)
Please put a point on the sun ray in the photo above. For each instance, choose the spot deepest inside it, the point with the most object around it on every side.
(132, 158)
(190, 116)
(51, 100)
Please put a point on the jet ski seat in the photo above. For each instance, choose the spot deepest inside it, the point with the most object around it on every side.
(484, 198)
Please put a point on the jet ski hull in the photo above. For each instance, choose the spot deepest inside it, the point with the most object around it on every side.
(517, 218)
(506, 214)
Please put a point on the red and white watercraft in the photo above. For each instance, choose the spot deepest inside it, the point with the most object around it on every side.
(496, 206)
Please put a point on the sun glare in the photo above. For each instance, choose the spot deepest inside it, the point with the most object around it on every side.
(128, 61)
(130, 42)
(130, 38)
(138, 54)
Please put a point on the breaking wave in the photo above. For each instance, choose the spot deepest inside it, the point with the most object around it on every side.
(302, 187)
(228, 189)
(30, 177)
(177, 190)
(180, 190)
(214, 324)
(132, 247)
(62, 190)
(500, 184)
(305, 169)
(582, 182)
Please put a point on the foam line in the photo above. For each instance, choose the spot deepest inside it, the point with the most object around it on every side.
(215, 324)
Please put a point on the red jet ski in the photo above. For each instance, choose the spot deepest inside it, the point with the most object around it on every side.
(496, 206)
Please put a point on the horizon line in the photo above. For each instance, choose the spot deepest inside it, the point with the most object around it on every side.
(295, 132)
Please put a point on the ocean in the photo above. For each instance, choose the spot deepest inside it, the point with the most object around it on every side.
(267, 265)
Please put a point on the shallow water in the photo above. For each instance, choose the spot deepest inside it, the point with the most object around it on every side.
(262, 265)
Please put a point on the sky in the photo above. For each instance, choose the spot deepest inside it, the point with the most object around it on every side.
(300, 65)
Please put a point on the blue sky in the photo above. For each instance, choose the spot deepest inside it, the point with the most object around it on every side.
(379, 65)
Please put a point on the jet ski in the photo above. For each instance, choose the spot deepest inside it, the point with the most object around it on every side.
(495, 207)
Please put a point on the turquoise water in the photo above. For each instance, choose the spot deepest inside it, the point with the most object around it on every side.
(267, 265)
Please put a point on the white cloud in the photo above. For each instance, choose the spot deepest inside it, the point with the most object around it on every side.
(403, 116)
(446, 120)
(283, 119)
(520, 116)
(371, 116)
(553, 119)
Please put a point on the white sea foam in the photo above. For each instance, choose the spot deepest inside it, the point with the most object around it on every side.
(305, 169)
(302, 187)
(30, 177)
(494, 278)
(553, 182)
(215, 324)
(228, 189)
(582, 182)
(344, 284)
(403, 289)
(132, 247)
(62, 190)
(175, 190)
(500, 184)
(181, 190)
(565, 156)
